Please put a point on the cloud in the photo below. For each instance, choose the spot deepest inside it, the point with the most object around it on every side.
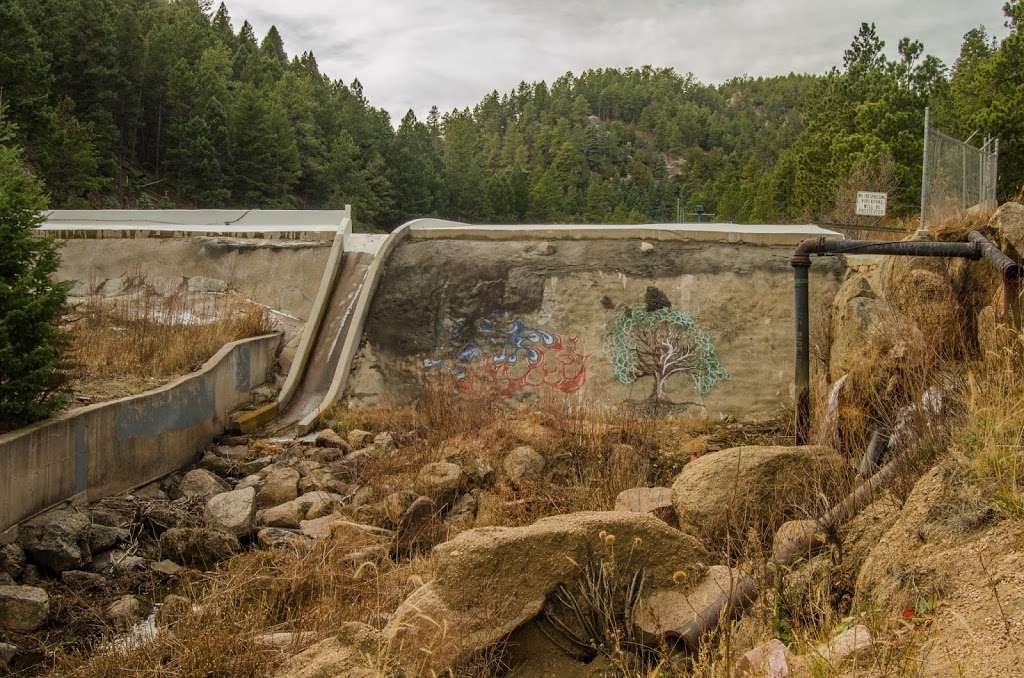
(415, 54)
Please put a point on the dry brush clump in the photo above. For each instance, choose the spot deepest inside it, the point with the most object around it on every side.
(145, 335)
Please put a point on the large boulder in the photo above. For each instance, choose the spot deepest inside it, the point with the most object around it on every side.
(200, 484)
(232, 512)
(441, 481)
(489, 581)
(23, 608)
(198, 547)
(1009, 222)
(57, 540)
(726, 493)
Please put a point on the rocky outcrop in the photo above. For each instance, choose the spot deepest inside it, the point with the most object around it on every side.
(488, 581)
(748, 487)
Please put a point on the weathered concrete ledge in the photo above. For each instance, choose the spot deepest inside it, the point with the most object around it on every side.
(111, 447)
(753, 234)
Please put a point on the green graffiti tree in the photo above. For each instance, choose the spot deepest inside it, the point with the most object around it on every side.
(662, 343)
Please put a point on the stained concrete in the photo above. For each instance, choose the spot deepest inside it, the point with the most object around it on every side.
(283, 275)
(110, 447)
(576, 289)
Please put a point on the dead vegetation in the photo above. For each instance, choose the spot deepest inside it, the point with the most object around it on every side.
(141, 338)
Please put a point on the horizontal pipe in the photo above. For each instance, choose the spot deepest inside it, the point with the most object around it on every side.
(912, 248)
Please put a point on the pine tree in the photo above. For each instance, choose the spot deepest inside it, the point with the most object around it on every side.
(31, 304)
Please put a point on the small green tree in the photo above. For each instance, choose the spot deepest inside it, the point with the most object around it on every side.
(31, 341)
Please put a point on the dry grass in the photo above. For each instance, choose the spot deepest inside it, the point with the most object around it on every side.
(280, 590)
(145, 335)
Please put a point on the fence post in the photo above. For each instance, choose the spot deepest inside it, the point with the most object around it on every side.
(922, 227)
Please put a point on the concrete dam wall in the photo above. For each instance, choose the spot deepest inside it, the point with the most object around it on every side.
(703, 323)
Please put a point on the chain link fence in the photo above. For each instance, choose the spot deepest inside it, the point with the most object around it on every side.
(958, 177)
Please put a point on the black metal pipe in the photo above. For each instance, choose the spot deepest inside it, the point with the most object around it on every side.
(801, 309)
(978, 247)
(1007, 267)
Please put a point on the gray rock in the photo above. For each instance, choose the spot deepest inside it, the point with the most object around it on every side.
(198, 547)
(79, 580)
(280, 484)
(248, 468)
(125, 611)
(201, 484)
(103, 537)
(57, 540)
(12, 559)
(441, 481)
(233, 512)
(23, 608)
(216, 464)
(116, 561)
(358, 438)
(168, 568)
(7, 653)
(329, 438)
(397, 503)
(276, 537)
(523, 466)
(385, 442)
(415, 526)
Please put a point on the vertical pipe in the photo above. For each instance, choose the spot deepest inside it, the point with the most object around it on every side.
(802, 419)
(924, 172)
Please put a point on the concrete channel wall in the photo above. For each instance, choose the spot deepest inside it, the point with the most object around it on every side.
(520, 312)
(103, 449)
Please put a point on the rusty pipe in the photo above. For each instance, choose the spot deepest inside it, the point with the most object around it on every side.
(744, 590)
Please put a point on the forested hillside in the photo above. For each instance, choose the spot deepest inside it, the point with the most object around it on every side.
(123, 103)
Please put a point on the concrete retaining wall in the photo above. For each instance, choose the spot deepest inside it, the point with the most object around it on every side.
(517, 313)
(111, 447)
(282, 275)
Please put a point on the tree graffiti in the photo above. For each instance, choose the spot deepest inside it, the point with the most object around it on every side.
(660, 342)
(508, 359)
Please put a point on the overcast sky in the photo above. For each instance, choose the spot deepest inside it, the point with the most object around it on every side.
(417, 53)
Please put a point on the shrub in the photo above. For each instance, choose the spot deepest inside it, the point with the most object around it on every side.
(31, 304)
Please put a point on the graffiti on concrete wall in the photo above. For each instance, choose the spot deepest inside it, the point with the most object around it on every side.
(508, 358)
(658, 341)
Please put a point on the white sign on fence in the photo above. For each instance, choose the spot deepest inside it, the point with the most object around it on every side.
(871, 204)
